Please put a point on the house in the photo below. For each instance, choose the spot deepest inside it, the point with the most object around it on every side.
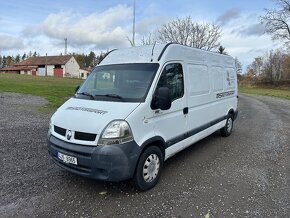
(59, 66)
(84, 73)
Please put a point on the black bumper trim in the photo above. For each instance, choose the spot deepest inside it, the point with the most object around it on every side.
(107, 163)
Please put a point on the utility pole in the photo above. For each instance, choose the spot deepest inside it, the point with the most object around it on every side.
(65, 46)
(133, 39)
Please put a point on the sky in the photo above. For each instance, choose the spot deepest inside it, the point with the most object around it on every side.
(102, 25)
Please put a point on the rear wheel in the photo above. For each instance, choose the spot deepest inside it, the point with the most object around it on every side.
(148, 168)
(227, 129)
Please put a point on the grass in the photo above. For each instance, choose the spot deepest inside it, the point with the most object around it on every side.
(273, 92)
(55, 90)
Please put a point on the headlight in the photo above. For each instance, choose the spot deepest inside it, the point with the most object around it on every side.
(50, 125)
(117, 132)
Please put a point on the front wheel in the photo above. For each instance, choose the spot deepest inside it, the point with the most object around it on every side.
(227, 129)
(148, 168)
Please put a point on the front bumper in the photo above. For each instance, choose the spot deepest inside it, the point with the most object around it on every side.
(107, 163)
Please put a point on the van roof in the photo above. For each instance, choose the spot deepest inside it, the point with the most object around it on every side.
(164, 52)
(138, 54)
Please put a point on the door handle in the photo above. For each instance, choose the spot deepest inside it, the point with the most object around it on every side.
(185, 110)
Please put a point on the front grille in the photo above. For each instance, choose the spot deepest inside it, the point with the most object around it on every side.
(60, 130)
(78, 135)
(85, 136)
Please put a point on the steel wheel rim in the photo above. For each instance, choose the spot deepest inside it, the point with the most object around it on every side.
(151, 168)
(229, 125)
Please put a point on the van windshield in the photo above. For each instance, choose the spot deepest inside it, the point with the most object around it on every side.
(120, 82)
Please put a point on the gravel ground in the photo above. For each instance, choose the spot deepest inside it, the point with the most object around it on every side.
(244, 175)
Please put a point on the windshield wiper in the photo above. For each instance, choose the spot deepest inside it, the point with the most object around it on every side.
(86, 94)
(111, 96)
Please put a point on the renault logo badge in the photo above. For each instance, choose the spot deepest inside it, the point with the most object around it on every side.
(68, 135)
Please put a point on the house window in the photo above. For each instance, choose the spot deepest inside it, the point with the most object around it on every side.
(82, 74)
(57, 66)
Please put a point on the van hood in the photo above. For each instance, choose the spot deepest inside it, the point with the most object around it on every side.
(90, 116)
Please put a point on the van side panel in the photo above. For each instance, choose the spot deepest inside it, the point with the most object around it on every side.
(211, 92)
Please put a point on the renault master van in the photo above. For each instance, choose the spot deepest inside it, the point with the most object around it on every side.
(139, 107)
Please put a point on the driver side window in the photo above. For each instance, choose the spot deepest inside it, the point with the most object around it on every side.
(172, 77)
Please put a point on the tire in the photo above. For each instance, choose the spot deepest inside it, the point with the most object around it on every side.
(227, 129)
(148, 169)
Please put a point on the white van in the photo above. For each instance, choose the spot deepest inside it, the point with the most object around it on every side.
(139, 107)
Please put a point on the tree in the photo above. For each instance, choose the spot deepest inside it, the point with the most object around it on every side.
(186, 32)
(255, 69)
(148, 40)
(276, 21)
(4, 61)
(221, 50)
(23, 57)
(1, 61)
(286, 67)
(9, 60)
(273, 64)
(17, 59)
(257, 65)
(91, 59)
(100, 57)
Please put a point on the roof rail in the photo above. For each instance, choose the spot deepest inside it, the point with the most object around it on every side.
(107, 55)
(165, 47)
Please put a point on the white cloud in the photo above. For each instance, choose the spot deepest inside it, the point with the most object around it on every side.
(150, 24)
(244, 38)
(228, 16)
(8, 42)
(108, 29)
(255, 29)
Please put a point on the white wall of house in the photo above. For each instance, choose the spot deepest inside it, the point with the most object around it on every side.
(49, 69)
(64, 70)
(28, 72)
(84, 73)
(72, 68)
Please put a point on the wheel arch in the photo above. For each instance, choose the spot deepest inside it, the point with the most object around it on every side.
(231, 112)
(156, 141)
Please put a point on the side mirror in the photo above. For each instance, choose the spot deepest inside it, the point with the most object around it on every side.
(77, 89)
(162, 99)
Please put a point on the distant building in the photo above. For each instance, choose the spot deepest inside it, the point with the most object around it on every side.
(84, 73)
(58, 66)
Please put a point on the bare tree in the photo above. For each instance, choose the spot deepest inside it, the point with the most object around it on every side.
(276, 21)
(273, 65)
(186, 32)
(256, 68)
(149, 39)
(257, 65)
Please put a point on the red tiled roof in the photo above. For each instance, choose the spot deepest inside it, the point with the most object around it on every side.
(45, 60)
(17, 68)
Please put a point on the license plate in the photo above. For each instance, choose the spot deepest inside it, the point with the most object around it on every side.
(67, 159)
